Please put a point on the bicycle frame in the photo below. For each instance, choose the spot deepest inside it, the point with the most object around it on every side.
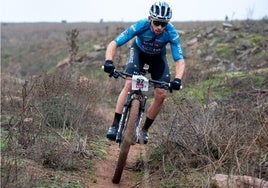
(142, 99)
(135, 94)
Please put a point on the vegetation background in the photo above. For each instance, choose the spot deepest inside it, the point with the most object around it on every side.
(55, 100)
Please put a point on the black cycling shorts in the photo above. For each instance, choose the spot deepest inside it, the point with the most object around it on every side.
(158, 64)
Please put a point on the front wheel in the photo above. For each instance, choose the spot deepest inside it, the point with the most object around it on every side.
(127, 140)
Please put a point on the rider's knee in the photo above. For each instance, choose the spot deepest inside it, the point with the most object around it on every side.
(128, 85)
(160, 94)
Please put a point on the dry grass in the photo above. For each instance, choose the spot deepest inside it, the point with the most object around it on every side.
(50, 120)
(194, 141)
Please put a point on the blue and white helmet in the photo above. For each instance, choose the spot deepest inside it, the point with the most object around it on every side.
(161, 10)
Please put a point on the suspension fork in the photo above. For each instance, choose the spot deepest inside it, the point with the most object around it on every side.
(123, 117)
(142, 99)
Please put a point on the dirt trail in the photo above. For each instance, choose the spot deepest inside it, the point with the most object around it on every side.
(104, 169)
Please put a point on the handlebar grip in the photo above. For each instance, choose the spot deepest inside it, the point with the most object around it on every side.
(111, 73)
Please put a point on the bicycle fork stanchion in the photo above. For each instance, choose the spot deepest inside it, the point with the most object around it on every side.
(123, 119)
(142, 100)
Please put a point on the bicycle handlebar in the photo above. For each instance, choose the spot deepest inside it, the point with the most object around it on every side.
(121, 74)
(116, 73)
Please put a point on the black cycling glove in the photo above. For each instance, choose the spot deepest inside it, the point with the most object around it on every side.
(176, 84)
(109, 67)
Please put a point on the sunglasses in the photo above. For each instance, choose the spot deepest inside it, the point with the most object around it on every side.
(157, 23)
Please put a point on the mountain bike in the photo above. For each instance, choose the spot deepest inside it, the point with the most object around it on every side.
(129, 125)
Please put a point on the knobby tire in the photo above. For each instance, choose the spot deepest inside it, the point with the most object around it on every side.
(127, 140)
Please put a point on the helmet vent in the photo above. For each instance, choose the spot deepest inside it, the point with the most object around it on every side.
(163, 11)
(168, 11)
(157, 10)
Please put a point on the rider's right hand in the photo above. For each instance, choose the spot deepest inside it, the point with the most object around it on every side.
(109, 67)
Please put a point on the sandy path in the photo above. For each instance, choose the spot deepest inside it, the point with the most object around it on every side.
(104, 168)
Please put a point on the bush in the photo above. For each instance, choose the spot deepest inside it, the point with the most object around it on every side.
(227, 136)
(50, 124)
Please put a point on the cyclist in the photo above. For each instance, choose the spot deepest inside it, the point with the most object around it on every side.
(149, 47)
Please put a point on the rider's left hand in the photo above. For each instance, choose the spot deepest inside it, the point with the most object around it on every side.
(176, 84)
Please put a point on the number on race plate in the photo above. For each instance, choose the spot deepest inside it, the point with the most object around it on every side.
(140, 83)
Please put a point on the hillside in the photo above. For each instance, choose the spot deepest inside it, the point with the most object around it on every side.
(55, 112)
(28, 48)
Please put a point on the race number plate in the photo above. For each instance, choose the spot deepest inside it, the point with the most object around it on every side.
(140, 83)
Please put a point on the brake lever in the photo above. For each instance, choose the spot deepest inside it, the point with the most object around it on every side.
(170, 89)
(116, 75)
(111, 74)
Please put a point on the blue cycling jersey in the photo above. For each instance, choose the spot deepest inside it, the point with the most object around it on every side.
(150, 43)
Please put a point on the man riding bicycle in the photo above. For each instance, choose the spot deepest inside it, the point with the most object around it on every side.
(149, 47)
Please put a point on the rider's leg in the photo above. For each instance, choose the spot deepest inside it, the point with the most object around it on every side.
(160, 95)
(122, 97)
(117, 117)
(120, 103)
(153, 110)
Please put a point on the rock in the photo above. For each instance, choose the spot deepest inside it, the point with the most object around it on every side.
(233, 67)
(181, 32)
(192, 42)
(227, 25)
(28, 120)
(209, 58)
(229, 38)
(98, 47)
(244, 44)
(213, 43)
(210, 30)
(223, 181)
(211, 35)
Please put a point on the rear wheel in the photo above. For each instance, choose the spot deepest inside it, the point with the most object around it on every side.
(127, 140)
